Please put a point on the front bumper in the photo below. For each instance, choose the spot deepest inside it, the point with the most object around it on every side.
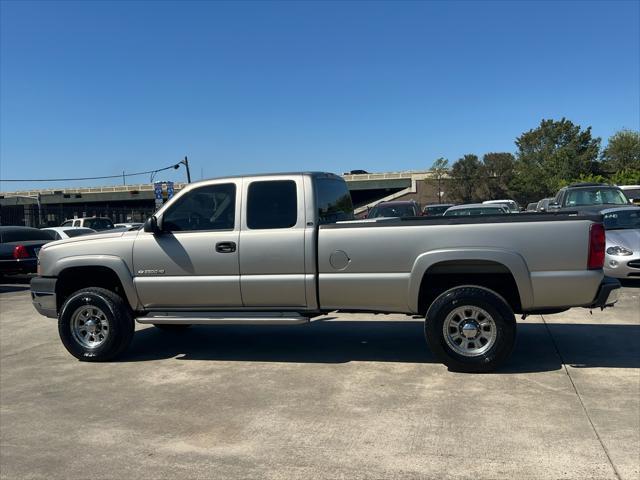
(43, 296)
(619, 266)
(608, 293)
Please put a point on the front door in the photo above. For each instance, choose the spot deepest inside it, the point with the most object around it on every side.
(194, 262)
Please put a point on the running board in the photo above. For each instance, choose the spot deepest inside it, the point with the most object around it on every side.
(224, 318)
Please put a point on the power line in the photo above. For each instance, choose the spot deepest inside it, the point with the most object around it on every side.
(175, 166)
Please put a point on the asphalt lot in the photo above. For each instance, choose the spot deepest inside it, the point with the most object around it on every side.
(359, 396)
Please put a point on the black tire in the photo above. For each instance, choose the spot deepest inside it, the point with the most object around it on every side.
(118, 314)
(482, 298)
(172, 327)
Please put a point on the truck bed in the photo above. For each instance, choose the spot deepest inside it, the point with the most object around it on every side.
(546, 254)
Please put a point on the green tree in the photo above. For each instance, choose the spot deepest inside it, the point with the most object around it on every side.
(498, 172)
(550, 155)
(466, 176)
(622, 152)
(439, 170)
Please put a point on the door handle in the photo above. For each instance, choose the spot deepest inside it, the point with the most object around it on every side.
(225, 247)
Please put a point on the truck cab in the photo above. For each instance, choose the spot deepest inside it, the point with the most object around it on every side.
(209, 249)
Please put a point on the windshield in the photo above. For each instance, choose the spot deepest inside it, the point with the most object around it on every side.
(436, 209)
(98, 223)
(622, 219)
(595, 196)
(76, 232)
(392, 211)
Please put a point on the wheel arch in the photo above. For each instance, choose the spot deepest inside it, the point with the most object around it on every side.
(502, 271)
(105, 271)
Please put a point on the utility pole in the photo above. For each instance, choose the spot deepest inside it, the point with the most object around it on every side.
(39, 200)
(185, 162)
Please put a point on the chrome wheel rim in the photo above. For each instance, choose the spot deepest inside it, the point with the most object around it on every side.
(469, 330)
(89, 326)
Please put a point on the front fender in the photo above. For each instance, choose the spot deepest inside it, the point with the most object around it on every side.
(112, 262)
(511, 260)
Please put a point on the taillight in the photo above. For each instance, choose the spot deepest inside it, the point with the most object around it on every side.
(20, 251)
(596, 246)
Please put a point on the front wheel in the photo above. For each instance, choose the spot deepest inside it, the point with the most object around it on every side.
(470, 329)
(95, 325)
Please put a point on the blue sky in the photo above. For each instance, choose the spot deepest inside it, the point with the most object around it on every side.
(94, 88)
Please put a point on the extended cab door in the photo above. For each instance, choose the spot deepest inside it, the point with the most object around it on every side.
(272, 243)
(193, 263)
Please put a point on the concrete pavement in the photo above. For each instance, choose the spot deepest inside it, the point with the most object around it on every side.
(358, 396)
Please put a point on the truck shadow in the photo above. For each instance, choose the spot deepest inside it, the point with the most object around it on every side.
(580, 345)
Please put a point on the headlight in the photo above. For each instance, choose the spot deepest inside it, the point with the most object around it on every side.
(618, 250)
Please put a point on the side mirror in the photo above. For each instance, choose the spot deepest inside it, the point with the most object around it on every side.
(553, 207)
(151, 225)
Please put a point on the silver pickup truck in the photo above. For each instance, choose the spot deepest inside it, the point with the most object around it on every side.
(284, 248)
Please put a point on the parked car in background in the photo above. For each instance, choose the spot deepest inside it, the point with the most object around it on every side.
(532, 207)
(512, 205)
(128, 225)
(477, 209)
(401, 208)
(62, 233)
(543, 205)
(436, 209)
(95, 223)
(632, 192)
(19, 247)
(588, 197)
(622, 230)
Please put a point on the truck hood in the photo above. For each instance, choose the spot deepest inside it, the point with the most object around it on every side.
(85, 238)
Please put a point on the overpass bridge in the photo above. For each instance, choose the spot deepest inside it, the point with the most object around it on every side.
(136, 202)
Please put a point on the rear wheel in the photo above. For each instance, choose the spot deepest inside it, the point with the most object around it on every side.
(470, 329)
(95, 325)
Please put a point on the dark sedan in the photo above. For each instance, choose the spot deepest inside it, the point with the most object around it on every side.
(19, 247)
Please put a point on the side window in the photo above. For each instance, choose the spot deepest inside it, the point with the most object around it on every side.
(68, 223)
(206, 208)
(272, 204)
(76, 223)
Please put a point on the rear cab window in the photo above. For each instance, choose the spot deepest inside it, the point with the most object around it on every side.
(333, 200)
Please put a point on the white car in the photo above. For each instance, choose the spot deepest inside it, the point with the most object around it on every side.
(622, 231)
(60, 233)
(510, 204)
